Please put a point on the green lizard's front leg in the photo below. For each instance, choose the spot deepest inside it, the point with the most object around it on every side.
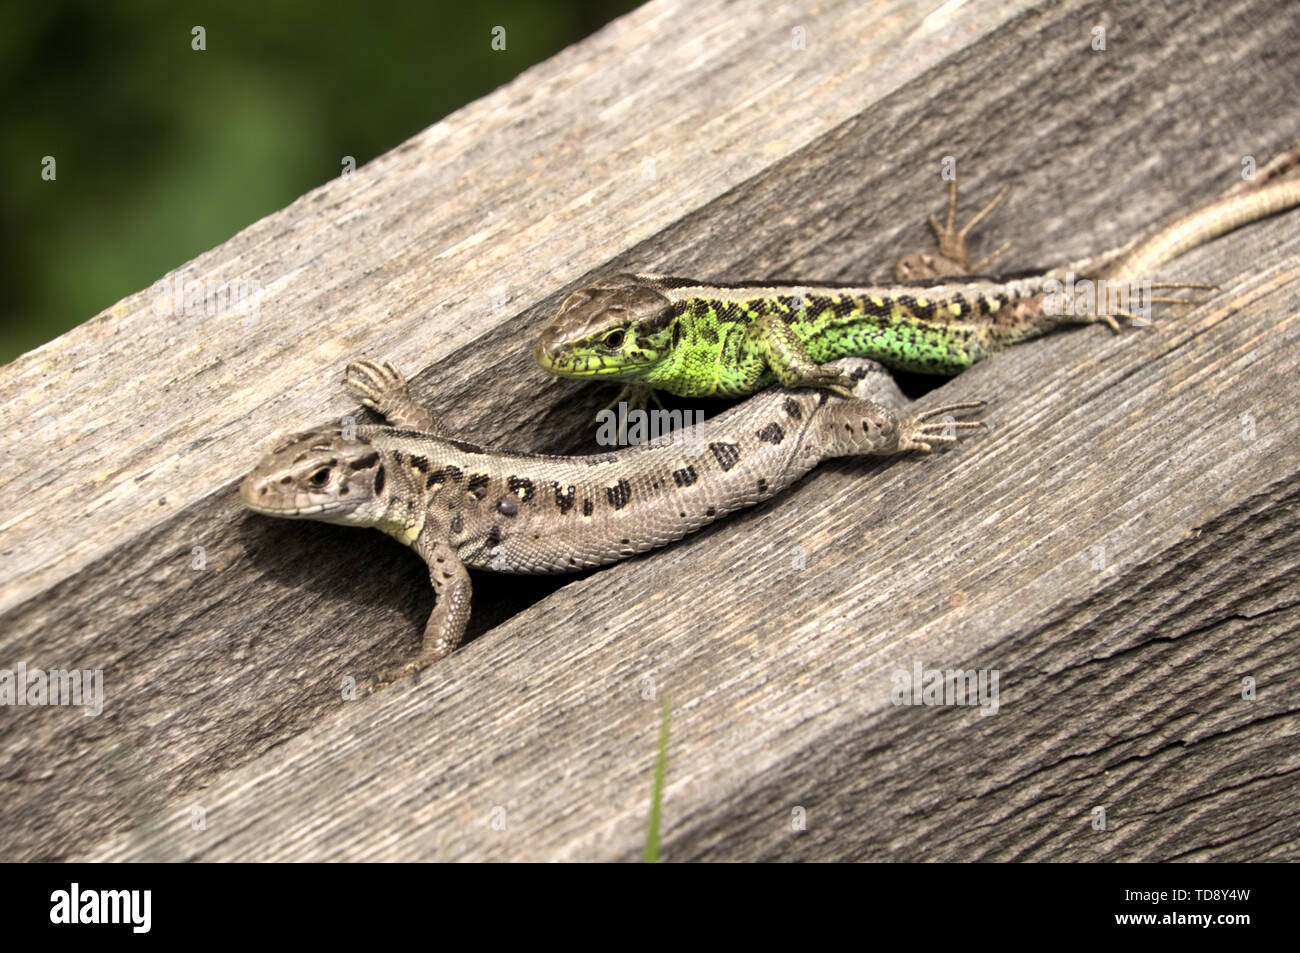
(770, 344)
(636, 397)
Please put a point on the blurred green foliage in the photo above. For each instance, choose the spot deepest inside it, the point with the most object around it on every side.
(163, 152)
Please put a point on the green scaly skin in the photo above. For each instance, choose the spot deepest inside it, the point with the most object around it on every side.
(728, 340)
(732, 340)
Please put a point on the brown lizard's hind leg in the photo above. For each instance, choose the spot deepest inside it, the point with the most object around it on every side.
(954, 251)
(869, 423)
(383, 389)
(872, 381)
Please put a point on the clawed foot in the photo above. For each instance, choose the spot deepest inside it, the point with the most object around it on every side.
(1110, 318)
(375, 385)
(637, 397)
(382, 388)
(954, 251)
(410, 670)
(922, 431)
(369, 379)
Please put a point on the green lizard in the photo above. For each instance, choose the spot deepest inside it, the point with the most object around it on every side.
(460, 505)
(696, 339)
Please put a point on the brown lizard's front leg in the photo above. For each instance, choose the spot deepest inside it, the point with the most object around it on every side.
(452, 592)
(383, 389)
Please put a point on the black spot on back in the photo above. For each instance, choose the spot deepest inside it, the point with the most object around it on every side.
(923, 311)
(619, 494)
(844, 306)
(727, 454)
(477, 485)
(564, 500)
(521, 486)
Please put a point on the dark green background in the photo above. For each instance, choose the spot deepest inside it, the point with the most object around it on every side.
(163, 152)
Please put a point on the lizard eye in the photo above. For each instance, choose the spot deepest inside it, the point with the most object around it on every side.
(614, 339)
(320, 477)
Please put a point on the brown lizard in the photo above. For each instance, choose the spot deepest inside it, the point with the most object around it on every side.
(461, 505)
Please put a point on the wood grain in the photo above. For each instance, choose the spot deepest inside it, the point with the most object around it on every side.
(1122, 547)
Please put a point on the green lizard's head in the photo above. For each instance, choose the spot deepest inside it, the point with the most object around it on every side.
(320, 475)
(618, 328)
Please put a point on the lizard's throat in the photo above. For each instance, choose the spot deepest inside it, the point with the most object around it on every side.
(403, 523)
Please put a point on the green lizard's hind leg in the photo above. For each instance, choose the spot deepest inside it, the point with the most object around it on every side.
(954, 250)
(782, 351)
(1102, 310)
(873, 382)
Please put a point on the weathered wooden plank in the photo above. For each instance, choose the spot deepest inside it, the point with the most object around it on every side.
(1121, 686)
(780, 676)
(126, 436)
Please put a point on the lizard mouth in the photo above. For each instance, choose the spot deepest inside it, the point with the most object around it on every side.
(259, 496)
(544, 355)
(590, 366)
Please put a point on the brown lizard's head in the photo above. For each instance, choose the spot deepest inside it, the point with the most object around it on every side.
(617, 328)
(325, 474)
